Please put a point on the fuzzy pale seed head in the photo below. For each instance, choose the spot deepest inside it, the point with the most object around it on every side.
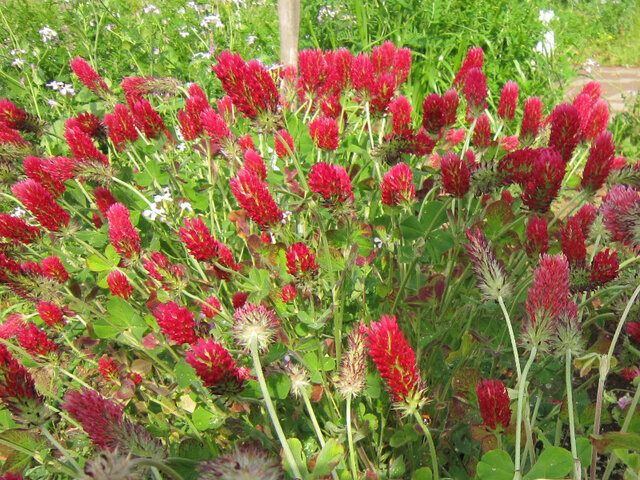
(255, 323)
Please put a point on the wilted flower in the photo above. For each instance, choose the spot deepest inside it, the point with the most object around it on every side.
(493, 400)
(490, 272)
(351, 380)
(110, 466)
(255, 323)
(100, 418)
(621, 210)
(214, 365)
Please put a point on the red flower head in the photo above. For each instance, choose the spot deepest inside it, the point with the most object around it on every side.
(17, 229)
(35, 341)
(88, 123)
(176, 322)
(89, 77)
(59, 169)
(147, 119)
(475, 91)
(565, 130)
(604, 267)
(598, 119)
(313, 72)
(382, 92)
(253, 162)
(119, 284)
(123, 235)
(288, 293)
(508, 101)
(245, 142)
(537, 242)
(211, 307)
(159, 268)
(82, 147)
(50, 313)
(215, 126)
(41, 204)
(395, 359)
(253, 196)
(324, 132)
(633, 328)
(225, 107)
(397, 187)
(599, 163)
(545, 180)
(10, 114)
(482, 132)
(573, 242)
(53, 269)
(104, 199)
(34, 168)
(450, 102)
(121, 126)
(474, 59)
(339, 65)
(100, 418)
(198, 240)
(531, 119)
(214, 365)
(11, 326)
(109, 369)
(362, 74)
(284, 150)
(300, 260)
(433, 113)
(400, 109)
(332, 182)
(239, 299)
(586, 215)
(455, 175)
(493, 400)
(621, 209)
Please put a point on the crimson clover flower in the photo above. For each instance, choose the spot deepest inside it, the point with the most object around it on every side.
(216, 368)
(493, 400)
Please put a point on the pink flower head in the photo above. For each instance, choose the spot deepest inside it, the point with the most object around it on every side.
(450, 102)
(34, 168)
(245, 142)
(254, 197)
(119, 284)
(433, 113)
(573, 242)
(147, 119)
(565, 130)
(509, 143)
(18, 229)
(531, 119)
(395, 359)
(214, 365)
(253, 162)
(331, 182)
(53, 269)
(286, 148)
(300, 260)
(508, 101)
(288, 293)
(482, 132)
(211, 307)
(123, 235)
(325, 133)
(83, 148)
(545, 180)
(475, 91)
(89, 76)
(604, 267)
(35, 341)
(397, 186)
(474, 59)
(400, 109)
(537, 242)
(41, 204)
(599, 163)
(455, 175)
(121, 126)
(176, 322)
(620, 209)
(493, 400)
(50, 313)
(11, 326)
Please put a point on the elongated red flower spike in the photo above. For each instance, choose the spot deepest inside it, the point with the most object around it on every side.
(253, 162)
(599, 163)
(621, 210)
(83, 148)
(159, 268)
(90, 77)
(325, 133)
(396, 362)
(215, 125)
(253, 322)
(35, 341)
(332, 183)
(537, 242)
(214, 365)
(245, 142)
(598, 119)
(176, 322)
(123, 235)
(148, 120)
(300, 260)
(586, 215)
(400, 110)
(382, 57)
(493, 400)
(482, 132)
(100, 418)
(211, 307)
(583, 103)
(401, 66)
(474, 59)
(382, 92)
(109, 369)
(189, 118)
(313, 73)
(508, 101)
(433, 113)
(121, 126)
(455, 175)
(50, 313)
(41, 204)
(104, 199)
(88, 123)
(450, 102)
(604, 267)
(286, 149)
(531, 119)
(565, 130)
(253, 196)
(573, 243)
(397, 186)
(339, 67)
(362, 74)
(11, 114)
(34, 168)
(198, 239)
(545, 180)
(490, 272)
(18, 229)
(60, 169)
(475, 91)
(119, 284)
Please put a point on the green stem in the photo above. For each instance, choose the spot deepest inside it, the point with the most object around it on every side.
(514, 346)
(148, 462)
(521, 387)
(253, 346)
(61, 449)
(316, 426)
(432, 447)
(352, 453)
(572, 425)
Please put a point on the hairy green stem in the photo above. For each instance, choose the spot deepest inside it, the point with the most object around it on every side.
(514, 346)
(521, 387)
(352, 453)
(432, 447)
(577, 470)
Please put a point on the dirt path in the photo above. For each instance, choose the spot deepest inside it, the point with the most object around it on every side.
(616, 82)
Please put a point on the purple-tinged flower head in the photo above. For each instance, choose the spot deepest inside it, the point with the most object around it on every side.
(148, 120)
(41, 204)
(362, 74)
(455, 175)
(332, 183)
(300, 260)
(100, 418)
(531, 119)
(475, 91)
(254, 197)
(351, 380)
(214, 365)
(255, 323)
(621, 211)
(176, 322)
(121, 126)
(433, 113)
(18, 229)
(565, 130)
(450, 102)
(508, 101)
(598, 119)
(83, 148)
(397, 186)
(211, 307)
(119, 284)
(491, 275)
(474, 59)
(123, 235)
(325, 133)
(537, 242)
(542, 186)
(604, 267)
(400, 109)
(599, 163)
(50, 313)
(11, 476)
(244, 462)
(573, 243)
(493, 401)
(586, 215)
(253, 162)
(482, 132)
(284, 144)
(90, 77)
(34, 168)
(35, 341)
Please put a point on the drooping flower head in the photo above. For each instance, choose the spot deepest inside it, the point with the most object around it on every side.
(253, 196)
(490, 272)
(176, 322)
(508, 101)
(216, 368)
(455, 175)
(255, 323)
(123, 235)
(332, 183)
(493, 400)
(397, 186)
(41, 204)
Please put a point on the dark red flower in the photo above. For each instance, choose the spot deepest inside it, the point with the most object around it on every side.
(147, 119)
(455, 175)
(83, 148)
(573, 242)
(433, 114)
(254, 197)
(214, 365)
(531, 119)
(35, 168)
(104, 199)
(397, 186)
(621, 210)
(450, 102)
(604, 267)
(53, 268)
(543, 184)
(50, 313)
(119, 284)
(537, 242)
(239, 299)
(508, 101)
(599, 163)
(123, 235)
(475, 91)
(482, 132)
(18, 229)
(324, 132)
(288, 293)
(35, 341)
(493, 400)
(400, 109)
(89, 76)
(121, 126)
(565, 130)
(633, 329)
(300, 260)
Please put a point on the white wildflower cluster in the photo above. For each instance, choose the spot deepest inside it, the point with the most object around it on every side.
(251, 39)
(182, 31)
(326, 12)
(151, 9)
(195, 6)
(155, 210)
(548, 43)
(379, 243)
(286, 216)
(209, 20)
(47, 34)
(205, 55)
(62, 88)
(17, 61)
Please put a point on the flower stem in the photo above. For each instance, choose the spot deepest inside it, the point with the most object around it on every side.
(148, 462)
(577, 470)
(316, 426)
(432, 447)
(514, 346)
(253, 346)
(60, 448)
(352, 455)
(521, 387)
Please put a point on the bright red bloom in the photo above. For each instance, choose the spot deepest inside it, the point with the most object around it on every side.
(573, 242)
(284, 150)
(10, 114)
(604, 267)
(288, 293)
(620, 209)
(599, 163)
(633, 329)
(109, 369)
(454, 137)
(245, 142)
(537, 242)
(450, 102)
(159, 268)
(50, 313)
(482, 132)
(586, 215)
(176, 322)
(300, 260)
(11, 326)
(35, 341)
(59, 169)
(332, 182)
(201, 244)
(598, 119)
(147, 119)
(395, 359)
(493, 400)
(214, 365)
(253, 196)
(215, 125)
(545, 180)
(630, 373)
(433, 113)
(89, 76)
(34, 168)
(119, 284)
(565, 130)
(82, 146)
(400, 109)
(121, 126)
(475, 91)
(397, 186)
(325, 133)
(508, 101)
(509, 143)
(339, 67)
(531, 119)
(53, 268)
(474, 59)
(41, 204)
(362, 73)
(253, 162)
(313, 72)
(100, 418)
(104, 199)
(211, 307)
(382, 91)
(239, 299)
(18, 229)
(225, 107)
(87, 122)
(189, 118)
(11, 476)
(123, 235)
(18, 392)
(455, 175)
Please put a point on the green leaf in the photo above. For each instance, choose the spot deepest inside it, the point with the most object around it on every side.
(328, 458)
(103, 329)
(279, 384)
(121, 313)
(400, 437)
(96, 263)
(630, 459)
(554, 462)
(423, 473)
(496, 465)
(397, 467)
(584, 448)
(185, 374)
(298, 456)
(112, 255)
(434, 214)
(411, 229)
(205, 420)
(611, 440)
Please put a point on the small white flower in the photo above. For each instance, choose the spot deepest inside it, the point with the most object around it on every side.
(109, 26)
(182, 31)
(166, 196)
(17, 62)
(15, 51)
(151, 9)
(211, 19)
(590, 64)
(52, 103)
(156, 51)
(92, 23)
(56, 85)
(378, 242)
(47, 34)
(185, 206)
(181, 147)
(18, 212)
(181, 11)
(545, 16)
(286, 216)
(547, 44)
(251, 39)
(154, 212)
(67, 89)
(205, 55)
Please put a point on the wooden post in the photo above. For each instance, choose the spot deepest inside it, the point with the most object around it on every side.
(289, 16)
